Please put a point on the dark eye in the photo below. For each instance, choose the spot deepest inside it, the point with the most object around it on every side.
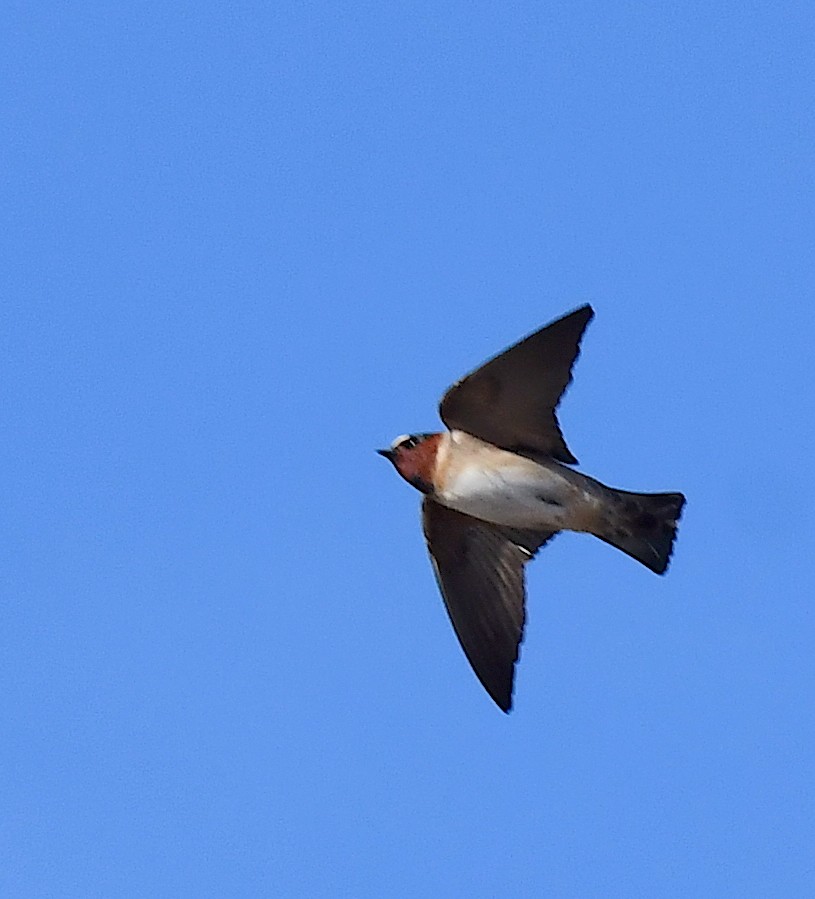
(409, 442)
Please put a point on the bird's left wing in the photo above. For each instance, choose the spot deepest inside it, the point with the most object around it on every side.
(511, 399)
(479, 569)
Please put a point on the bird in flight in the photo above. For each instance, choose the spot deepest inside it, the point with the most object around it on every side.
(498, 485)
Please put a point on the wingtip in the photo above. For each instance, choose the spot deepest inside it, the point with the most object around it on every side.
(586, 309)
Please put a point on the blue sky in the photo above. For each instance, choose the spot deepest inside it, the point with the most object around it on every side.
(243, 247)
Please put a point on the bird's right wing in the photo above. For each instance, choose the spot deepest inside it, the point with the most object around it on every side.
(479, 569)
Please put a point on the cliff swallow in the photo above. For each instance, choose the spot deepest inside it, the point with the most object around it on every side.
(497, 486)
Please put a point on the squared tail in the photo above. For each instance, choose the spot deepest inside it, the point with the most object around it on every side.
(644, 526)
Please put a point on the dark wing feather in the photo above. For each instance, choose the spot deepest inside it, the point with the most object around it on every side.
(479, 569)
(510, 400)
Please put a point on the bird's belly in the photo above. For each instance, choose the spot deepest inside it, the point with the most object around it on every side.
(525, 495)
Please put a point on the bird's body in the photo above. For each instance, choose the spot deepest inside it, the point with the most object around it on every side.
(498, 485)
(479, 479)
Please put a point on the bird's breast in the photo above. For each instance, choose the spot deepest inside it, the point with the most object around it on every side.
(510, 490)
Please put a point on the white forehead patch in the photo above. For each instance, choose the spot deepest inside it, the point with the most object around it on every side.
(400, 439)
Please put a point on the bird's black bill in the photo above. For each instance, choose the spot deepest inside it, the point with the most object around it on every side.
(388, 454)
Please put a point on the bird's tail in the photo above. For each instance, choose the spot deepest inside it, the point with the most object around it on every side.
(644, 526)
